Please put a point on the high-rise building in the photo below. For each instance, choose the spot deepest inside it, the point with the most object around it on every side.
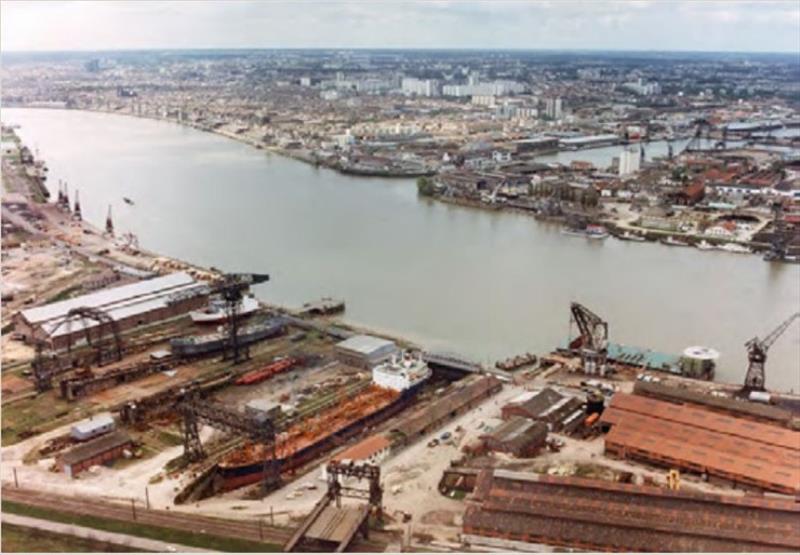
(420, 87)
(553, 107)
(629, 161)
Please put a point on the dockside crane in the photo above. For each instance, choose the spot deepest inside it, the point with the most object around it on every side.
(702, 132)
(592, 341)
(231, 287)
(755, 379)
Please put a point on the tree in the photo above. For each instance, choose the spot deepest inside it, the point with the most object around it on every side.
(425, 186)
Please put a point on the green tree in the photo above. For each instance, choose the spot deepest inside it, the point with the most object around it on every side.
(425, 186)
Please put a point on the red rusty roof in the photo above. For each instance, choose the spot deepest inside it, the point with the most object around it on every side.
(599, 515)
(364, 449)
(698, 417)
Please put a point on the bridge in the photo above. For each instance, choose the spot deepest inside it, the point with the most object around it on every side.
(332, 527)
(457, 362)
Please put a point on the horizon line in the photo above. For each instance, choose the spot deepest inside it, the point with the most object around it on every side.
(397, 48)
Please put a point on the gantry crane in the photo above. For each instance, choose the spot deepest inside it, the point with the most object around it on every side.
(231, 288)
(592, 341)
(702, 136)
(755, 379)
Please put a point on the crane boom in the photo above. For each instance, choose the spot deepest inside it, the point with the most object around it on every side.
(592, 341)
(755, 379)
(231, 288)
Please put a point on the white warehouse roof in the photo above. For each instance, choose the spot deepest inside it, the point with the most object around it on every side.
(365, 344)
(119, 302)
(89, 425)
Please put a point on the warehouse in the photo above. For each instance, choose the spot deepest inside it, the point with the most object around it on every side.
(735, 450)
(460, 398)
(596, 515)
(547, 406)
(519, 437)
(98, 451)
(92, 427)
(365, 351)
(136, 304)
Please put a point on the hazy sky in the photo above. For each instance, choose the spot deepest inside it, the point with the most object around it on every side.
(759, 25)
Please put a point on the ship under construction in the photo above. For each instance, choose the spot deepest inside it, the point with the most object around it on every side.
(394, 386)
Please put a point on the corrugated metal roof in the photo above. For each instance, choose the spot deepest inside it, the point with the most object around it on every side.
(597, 515)
(109, 297)
(458, 396)
(699, 417)
(365, 344)
(364, 449)
(94, 423)
(95, 447)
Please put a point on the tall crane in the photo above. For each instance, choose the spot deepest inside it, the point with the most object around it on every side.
(757, 355)
(231, 288)
(592, 341)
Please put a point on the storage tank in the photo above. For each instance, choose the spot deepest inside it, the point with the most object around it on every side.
(699, 362)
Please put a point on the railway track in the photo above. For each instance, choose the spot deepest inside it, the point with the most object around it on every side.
(252, 530)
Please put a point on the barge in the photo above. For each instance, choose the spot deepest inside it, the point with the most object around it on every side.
(199, 345)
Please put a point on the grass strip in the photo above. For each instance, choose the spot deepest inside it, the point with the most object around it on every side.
(21, 539)
(160, 533)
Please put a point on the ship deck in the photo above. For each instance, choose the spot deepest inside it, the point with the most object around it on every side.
(310, 431)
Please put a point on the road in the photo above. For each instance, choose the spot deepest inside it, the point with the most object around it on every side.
(99, 535)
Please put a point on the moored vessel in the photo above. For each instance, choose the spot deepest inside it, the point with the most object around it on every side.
(216, 311)
(672, 242)
(393, 387)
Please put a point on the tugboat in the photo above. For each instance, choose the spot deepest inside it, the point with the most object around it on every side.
(596, 232)
(590, 232)
(735, 248)
(628, 236)
(672, 242)
(705, 246)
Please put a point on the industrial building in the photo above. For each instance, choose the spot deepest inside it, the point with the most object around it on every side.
(459, 399)
(595, 515)
(92, 427)
(365, 351)
(128, 306)
(100, 450)
(519, 437)
(720, 446)
(548, 406)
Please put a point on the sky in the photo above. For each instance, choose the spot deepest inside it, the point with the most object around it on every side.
(704, 25)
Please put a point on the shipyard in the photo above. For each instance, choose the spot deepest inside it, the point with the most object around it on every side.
(158, 385)
(354, 300)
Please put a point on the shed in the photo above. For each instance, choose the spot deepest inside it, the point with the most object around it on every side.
(548, 406)
(97, 451)
(92, 427)
(365, 351)
(519, 436)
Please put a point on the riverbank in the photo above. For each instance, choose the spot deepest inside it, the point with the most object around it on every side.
(431, 272)
(616, 226)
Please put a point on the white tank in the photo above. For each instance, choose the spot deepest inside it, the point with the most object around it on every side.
(699, 362)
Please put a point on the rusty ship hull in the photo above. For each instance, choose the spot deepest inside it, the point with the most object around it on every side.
(247, 466)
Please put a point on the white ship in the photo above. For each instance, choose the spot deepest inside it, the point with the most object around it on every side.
(706, 246)
(215, 312)
(672, 242)
(628, 236)
(735, 248)
(402, 373)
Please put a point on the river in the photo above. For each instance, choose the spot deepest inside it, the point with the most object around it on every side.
(484, 284)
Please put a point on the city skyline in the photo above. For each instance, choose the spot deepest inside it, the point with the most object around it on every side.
(641, 25)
